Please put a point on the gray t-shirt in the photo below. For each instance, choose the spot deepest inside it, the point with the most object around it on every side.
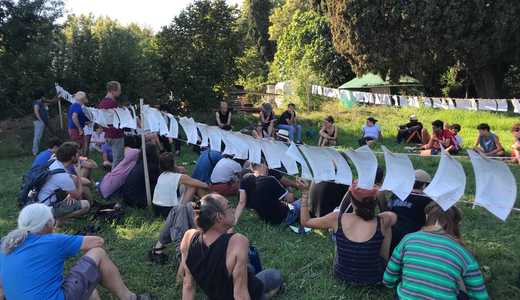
(61, 181)
(224, 170)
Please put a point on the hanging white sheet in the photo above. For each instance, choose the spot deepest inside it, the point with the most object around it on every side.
(366, 165)
(487, 104)
(437, 103)
(288, 162)
(123, 118)
(386, 100)
(295, 154)
(516, 105)
(495, 185)
(502, 105)
(414, 102)
(173, 127)
(467, 104)
(403, 101)
(190, 128)
(62, 93)
(400, 175)
(272, 156)
(204, 135)
(378, 99)
(320, 162)
(254, 150)
(236, 144)
(427, 102)
(103, 117)
(343, 172)
(215, 138)
(449, 182)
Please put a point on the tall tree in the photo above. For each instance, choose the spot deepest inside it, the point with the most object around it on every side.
(197, 52)
(257, 24)
(423, 38)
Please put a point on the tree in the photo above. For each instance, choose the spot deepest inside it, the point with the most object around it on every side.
(282, 15)
(257, 14)
(197, 52)
(424, 38)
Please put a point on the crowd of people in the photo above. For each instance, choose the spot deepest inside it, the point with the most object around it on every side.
(410, 245)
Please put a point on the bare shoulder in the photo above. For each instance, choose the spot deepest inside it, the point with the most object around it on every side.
(388, 218)
(239, 240)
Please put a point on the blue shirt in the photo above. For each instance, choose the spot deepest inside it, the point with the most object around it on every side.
(34, 270)
(107, 150)
(205, 164)
(42, 159)
(42, 110)
(76, 108)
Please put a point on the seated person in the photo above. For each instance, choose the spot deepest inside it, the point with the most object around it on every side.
(63, 191)
(413, 132)
(205, 164)
(271, 201)
(410, 211)
(173, 187)
(224, 178)
(488, 143)
(217, 261)
(440, 136)
(112, 181)
(325, 197)
(267, 120)
(133, 191)
(97, 139)
(43, 157)
(455, 129)
(39, 254)
(223, 116)
(515, 148)
(107, 157)
(433, 263)
(362, 237)
(288, 122)
(328, 133)
(371, 132)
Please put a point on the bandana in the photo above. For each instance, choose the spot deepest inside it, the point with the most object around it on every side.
(360, 194)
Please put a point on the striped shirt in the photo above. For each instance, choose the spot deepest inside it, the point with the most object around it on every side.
(429, 266)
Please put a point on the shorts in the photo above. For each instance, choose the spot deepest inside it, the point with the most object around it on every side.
(83, 278)
(63, 208)
(75, 136)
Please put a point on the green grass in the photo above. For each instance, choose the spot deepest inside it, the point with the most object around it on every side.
(306, 261)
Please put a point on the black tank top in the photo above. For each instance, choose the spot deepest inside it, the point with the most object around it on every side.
(223, 117)
(208, 267)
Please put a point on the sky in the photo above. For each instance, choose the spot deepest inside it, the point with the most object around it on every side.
(149, 13)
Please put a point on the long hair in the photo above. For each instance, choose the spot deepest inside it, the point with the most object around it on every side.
(449, 220)
(364, 208)
(32, 219)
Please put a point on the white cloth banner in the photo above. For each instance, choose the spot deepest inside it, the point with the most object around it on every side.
(288, 162)
(255, 150)
(467, 104)
(516, 105)
(449, 182)
(343, 171)
(173, 127)
(103, 117)
(495, 185)
(295, 154)
(204, 135)
(414, 102)
(123, 118)
(487, 104)
(366, 165)
(427, 102)
(215, 138)
(321, 164)
(236, 144)
(62, 93)
(190, 128)
(502, 105)
(400, 175)
(437, 103)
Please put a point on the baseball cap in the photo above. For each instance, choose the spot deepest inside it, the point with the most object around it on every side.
(413, 118)
(371, 119)
(422, 176)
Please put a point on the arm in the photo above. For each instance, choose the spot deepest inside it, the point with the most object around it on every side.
(499, 148)
(239, 247)
(218, 120)
(474, 282)
(36, 110)
(324, 134)
(79, 188)
(188, 285)
(229, 119)
(242, 201)
(91, 242)
(324, 222)
(393, 270)
(388, 219)
(187, 180)
(335, 136)
(75, 120)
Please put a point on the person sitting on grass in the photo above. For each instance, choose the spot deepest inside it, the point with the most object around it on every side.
(413, 132)
(64, 191)
(223, 116)
(488, 143)
(440, 137)
(515, 148)
(43, 157)
(362, 238)
(173, 187)
(371, 132)
(39, 254)
(97, 139)
(433, 263)
(106, 155)
(268, 197)
(266, 120)
(225, 176)
(288, 122)
(455, 129)
(217, 261)
(328, 133)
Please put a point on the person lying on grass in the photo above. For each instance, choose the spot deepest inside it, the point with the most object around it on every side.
(433, 263)
(362, 238)
(440, 137)
(225, 176)
(34, 251)
(488, 143)
(217, 261)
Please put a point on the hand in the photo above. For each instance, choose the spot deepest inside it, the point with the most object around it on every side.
(80, 131)
(302, 184)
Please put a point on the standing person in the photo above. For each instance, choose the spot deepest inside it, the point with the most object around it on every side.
(267, 119)
(328, 133)
(288, 122)
(113, 136)
(362, 237)
(433, 263)
(488, 143)
(41, 118)
(440, 136)
(34, 250)
(371, 132)
(76, 119)
(216, 260)
(223, 116)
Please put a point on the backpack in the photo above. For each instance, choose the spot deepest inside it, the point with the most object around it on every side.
(33, 181)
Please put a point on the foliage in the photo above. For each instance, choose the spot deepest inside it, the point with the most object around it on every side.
(197, 52)
(452, 82)
(252, 69)
(282, 15)
(421, 38)
(257, 14)
(512, 82)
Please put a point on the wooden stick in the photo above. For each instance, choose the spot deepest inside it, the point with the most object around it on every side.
(61, 114)
(145, 161)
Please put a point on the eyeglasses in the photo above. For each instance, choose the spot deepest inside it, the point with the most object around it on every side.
(516, 129)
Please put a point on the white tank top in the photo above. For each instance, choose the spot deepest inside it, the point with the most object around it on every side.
(165, 193)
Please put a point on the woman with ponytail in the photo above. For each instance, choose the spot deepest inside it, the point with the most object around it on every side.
(362, 237)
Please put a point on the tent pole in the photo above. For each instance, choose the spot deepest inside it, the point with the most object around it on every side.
(145, 160)
(61, 114)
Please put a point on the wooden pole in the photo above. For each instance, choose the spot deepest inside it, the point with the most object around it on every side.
(61, 114)
(145, 161)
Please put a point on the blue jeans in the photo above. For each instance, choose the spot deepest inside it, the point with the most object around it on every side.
(272, 281)
(294, 213)
(292, 129)
(39, 127)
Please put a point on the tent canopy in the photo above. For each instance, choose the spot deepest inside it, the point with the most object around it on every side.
(371, 80)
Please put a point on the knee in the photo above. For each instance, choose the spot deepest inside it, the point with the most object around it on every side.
(85, 205)
(97, 255)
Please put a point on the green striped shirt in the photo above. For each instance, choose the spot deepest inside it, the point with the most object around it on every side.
(429, 266)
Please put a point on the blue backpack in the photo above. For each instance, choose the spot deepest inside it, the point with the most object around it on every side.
(33, 181)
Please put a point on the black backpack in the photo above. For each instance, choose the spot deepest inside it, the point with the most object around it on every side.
(33, 181)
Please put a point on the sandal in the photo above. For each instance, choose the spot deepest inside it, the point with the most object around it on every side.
(157, 256)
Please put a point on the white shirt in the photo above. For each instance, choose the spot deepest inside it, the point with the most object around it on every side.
(61, 181)
(165, 192)
(224, 170)
(372, 131)
(98, 138)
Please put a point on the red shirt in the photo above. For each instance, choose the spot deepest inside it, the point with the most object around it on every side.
(110, 131)
(445, 134)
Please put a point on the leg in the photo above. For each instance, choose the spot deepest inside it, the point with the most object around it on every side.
(118, 146)
(425, 136)
(272, 281)
(289, 129)
(298, 133)
(39, 126)
(63, 210)
(321, 141)
(188, 195)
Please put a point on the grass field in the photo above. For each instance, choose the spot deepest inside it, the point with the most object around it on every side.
(306, 261)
